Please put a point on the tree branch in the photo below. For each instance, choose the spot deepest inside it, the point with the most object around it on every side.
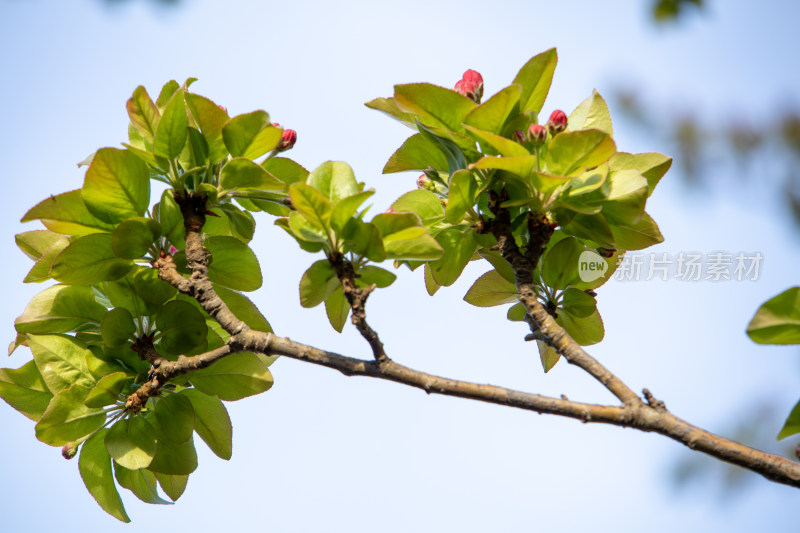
(634, 413)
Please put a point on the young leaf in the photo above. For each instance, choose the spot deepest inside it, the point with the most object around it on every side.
(173, 458)
(584, 330)
(66, 213)
(337, 309)
(335, 180)
(234, 264)
(433, 105)
(312, 204)
(560, 263)
(424, 203)
(591, 113)
(143, 113)
(317, 283)
(286, 170)
(461, 197)
(241, 306)
(35, 243)
(210, 119)
(643, 234)
(578, 303)
(378, 276)
(175, 417)
(95, 468)
(250, 135)
(458, 249)
(67, 419)
(107, 390)
(777, 321)
(234, 377)
(61, 360)
(170, 135)
(242, 173)
(492, 115)
(44, 266)
(548, 355)
(131, 442)
(571, 152)
(59, 309)
(212, 422)
(182, 327)
(117, 186)
(142, 483)
(652, 166)
(172, 485)
(88, 260)
(24, 389)
(535, 78)
(133, 237)
(345, 208)
(491, 289)
(416, 153)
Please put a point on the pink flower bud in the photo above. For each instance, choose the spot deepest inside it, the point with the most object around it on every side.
(423, 182)
(275, 124)
(471, 86)
(537, 134)
(390, 210)
(288, 139)
(473, 75)
(224, 109)
(69, 450)
(519, 136)
(172, 250)
(557, 122)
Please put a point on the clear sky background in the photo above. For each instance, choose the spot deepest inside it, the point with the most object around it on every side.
(322, 452)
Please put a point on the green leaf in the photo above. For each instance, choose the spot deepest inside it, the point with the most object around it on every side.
(88, 260)
(234, 264)
(35, 243)
(572, 152)
(172, 485)
(521, 166)
(167, 90)
(591, 113)
(286, 170)
(250, 135)
(143, 113)
(424, 203)
(502, 266)
(548, 355)
(182, 327)
(643, 234)
(792, 424)
(117, 186)
(24, 389)
(335, 180)
(430, 284)
(95, 468)
(505, 147)
(535, 78)
(310, 237)
(389, 107)
(170, 135)
(652, 166)
(212, 422)
(154, 292)
(244, 309)
(312, 204)
(777, 321)
(210, 119)
(173, 458)
(345, 208)
(234, 377)
(242, 173)
(378, 276)
(516, 313)
(589, 181)
(416, 153)
(67, 419)
(625, 194)
(317, 283)
(458, 249)
(561, 262)
(171, 220)
(133, 237)
(61, 360)
(586, 330)
(421, 248)
(391, 223)
(491, 289)
(142, 483)
(433, 105)
(59, 309)
(577, 303)
(195, 151)
(594, 228)
(453, 151)
(175, 417)
(494, 113)
(131, 442)
(107, 390)
(461, 197)
(364, 239)
(41, 270)
(337, 309)
(66, 213)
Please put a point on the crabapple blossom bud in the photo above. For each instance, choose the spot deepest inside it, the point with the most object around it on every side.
(224, 109)
(474, 78)
(172, 250)
(557, 122)
(390, 210)
(606, 252)
(537, 134)
(519, 136)
(423, 182)
(288, 138)
(69, 450)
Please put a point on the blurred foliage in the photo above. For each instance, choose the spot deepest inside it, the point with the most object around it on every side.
(671, 10)
(766, 148)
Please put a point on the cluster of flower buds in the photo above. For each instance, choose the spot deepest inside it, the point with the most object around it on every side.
(288, 138)
(557, 122)
(471, 85)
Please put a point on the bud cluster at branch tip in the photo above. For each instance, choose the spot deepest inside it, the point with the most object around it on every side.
(557, 122)
(471, 85)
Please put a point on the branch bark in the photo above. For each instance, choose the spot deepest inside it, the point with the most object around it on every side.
(650, 416)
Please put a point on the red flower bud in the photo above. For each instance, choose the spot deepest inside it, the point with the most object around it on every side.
(69, 450)
(275, 124)
(471, 85)
(172, 250)
(288, 139)
(557, 122)
(423, 182)
(519, 136)
(537, 134)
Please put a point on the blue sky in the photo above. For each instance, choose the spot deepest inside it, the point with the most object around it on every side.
(325, 452)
